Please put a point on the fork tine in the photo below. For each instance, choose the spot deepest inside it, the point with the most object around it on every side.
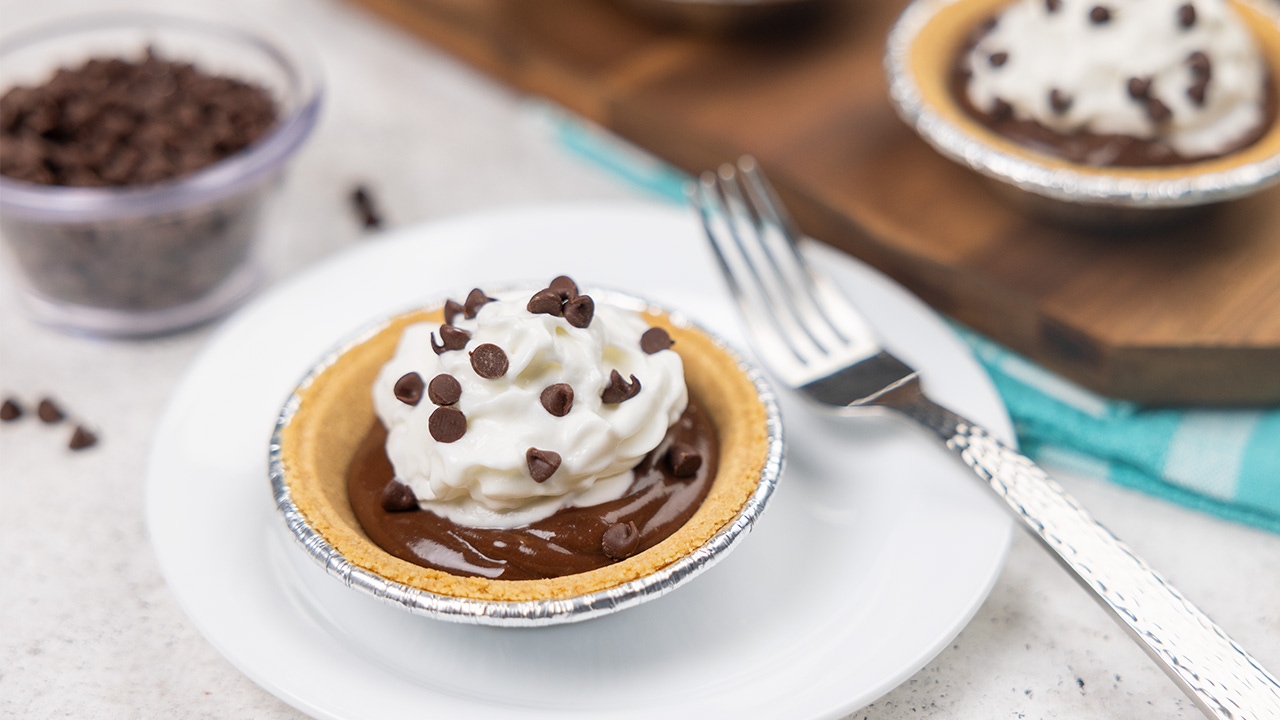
(803, 328)
(744, 227)
(773, 231)
(813, 289)
(773, 347)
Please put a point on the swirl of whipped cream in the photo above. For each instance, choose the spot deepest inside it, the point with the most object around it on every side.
(1187, 72)
(483, 479)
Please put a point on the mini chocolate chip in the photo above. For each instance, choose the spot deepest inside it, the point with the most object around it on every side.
(1139, 88)
(546, 302)
(620, 540)
(489, 361)
(1197, 92)
(542, 463)
(49, 412)
(363, 203)
(447, 424)
(408, 388)
(1201, 69)
(444, 389)
(10, 411)
(655, 340)
(452, 309)
(1053, 5)
(619, 390)
(82, 438)
(1158, 111)
(580, 310)
(1059, 101)
(398, 497)
(558, 399)
(566, 288)
(986, 26)
(1001, 110)
(684, 460)
(452, 339)
(998, 59)
(1100, 15)
(476, 299)
(1187, 15)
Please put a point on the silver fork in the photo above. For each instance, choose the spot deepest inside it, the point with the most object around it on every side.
(815, 341)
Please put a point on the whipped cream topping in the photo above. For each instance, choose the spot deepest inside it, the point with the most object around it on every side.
(1186, 72)
(488, 476)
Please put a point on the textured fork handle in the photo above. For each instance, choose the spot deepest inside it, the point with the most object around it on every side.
(1223, 679)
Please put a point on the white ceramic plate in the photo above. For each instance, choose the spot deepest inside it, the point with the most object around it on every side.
(875, 551)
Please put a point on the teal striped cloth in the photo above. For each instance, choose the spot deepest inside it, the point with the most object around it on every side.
(1223, 462)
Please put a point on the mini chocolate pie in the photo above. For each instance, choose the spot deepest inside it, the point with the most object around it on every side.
(1197, 90)
(718, 461)
(931, 64)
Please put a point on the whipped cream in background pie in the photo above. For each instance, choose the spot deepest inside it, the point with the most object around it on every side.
(507, 448)
(1185, 72)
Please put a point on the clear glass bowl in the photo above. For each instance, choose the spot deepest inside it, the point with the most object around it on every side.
(149, 259)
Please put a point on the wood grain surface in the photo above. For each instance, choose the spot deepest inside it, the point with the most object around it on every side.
(1187, 314)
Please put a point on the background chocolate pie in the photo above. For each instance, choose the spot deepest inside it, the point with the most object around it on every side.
(920, 61)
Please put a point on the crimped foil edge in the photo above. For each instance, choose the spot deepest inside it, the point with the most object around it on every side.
(1063, 184)
(533, 613)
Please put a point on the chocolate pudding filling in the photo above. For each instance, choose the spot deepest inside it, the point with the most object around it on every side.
(668, 489)
(1087, 148)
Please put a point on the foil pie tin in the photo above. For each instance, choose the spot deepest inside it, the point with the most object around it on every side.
(929, 33)
(532, 613)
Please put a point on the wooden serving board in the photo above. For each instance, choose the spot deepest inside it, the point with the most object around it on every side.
(1189, 314)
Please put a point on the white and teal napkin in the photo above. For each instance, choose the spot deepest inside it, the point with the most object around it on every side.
(1224, 462)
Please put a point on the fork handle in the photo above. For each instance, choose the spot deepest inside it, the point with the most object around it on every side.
(1222, 679)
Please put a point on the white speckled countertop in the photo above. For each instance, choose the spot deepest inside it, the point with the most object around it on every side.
(88, 627)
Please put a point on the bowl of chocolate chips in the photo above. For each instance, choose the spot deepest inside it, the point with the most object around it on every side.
(138, 157)
(1138, 107)
(526, 457)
